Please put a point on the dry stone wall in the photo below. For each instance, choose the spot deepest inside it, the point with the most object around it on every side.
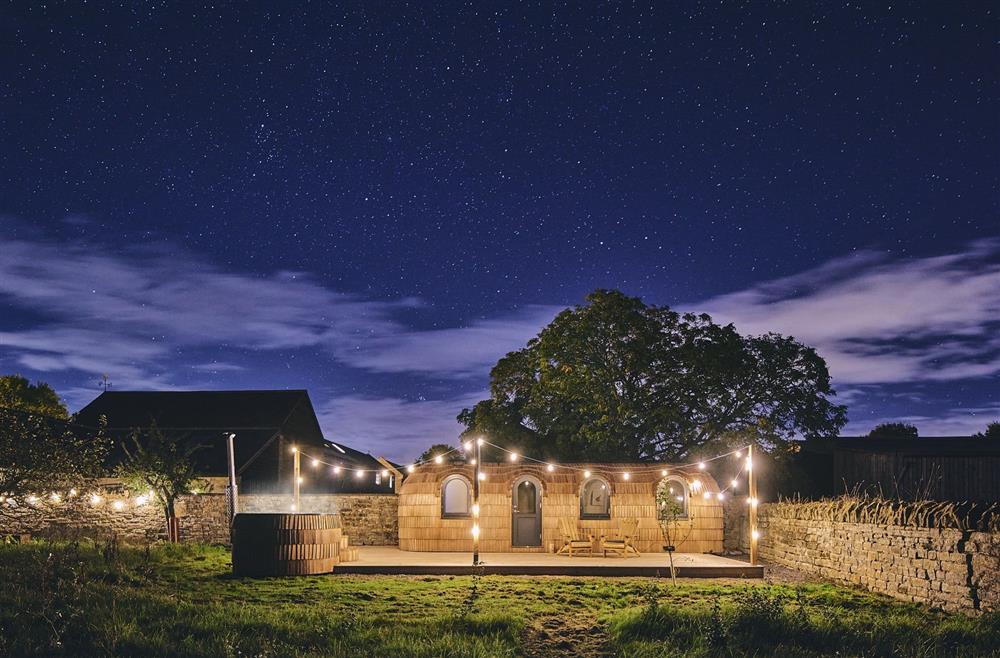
(368, 519)
(951, 569)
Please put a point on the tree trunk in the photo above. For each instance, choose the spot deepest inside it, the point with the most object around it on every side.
(173, 523)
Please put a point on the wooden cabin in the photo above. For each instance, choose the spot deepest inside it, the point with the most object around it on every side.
(521, 506)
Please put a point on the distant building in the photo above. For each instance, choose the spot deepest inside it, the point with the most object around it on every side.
(939, 468)
(267, 424)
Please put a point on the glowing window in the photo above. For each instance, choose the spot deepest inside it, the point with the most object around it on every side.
(456, 497)
(595, 499)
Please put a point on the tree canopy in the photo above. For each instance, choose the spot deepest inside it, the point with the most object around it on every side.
(992, 431)
(16, 392)
(616, 379)
(893, 431)
(441, 449)
(40, 454)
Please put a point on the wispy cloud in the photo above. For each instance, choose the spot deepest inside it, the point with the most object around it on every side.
(882, 320)
(394, 426)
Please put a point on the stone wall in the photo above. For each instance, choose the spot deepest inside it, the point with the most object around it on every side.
(946, 568)
(366, 519)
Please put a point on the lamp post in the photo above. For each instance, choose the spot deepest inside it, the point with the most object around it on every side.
(752, 496)
(475, 504)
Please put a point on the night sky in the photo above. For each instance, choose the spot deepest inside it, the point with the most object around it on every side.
(375, 203)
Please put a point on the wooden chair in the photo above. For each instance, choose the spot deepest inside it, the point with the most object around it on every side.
(624, 543)
(572, 542)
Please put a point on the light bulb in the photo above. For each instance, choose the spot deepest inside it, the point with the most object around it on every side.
(294, 449)
(696, 485)
(336, 470)
(701, 466)
(480, 441)
(513, 456)
(586, 474)
(472, 462)
(315, 463)
(292, 507)
(475, 509)
(467, 445)
(663, 473)
(735, 483)
(739, 454)
(708, 495)
(482, 476)
(626, 475)
(475, 531)
(550, 468)
(755, 534)
(301, 480)
(438, 459)
(721, 496)
(359, 474)
(385, 473)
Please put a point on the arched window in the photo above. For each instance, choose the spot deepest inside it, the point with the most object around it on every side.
(595, 499)
(456, 497)
(673, 490)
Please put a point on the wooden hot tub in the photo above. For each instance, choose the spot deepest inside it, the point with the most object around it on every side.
(285, 544)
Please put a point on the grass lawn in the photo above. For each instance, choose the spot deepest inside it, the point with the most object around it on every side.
(181, 601)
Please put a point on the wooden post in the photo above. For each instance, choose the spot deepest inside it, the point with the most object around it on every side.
(295, 480)
(233, 494)
(475, 504)
(752, 499)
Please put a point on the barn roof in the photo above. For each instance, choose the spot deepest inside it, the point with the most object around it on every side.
(205, 417)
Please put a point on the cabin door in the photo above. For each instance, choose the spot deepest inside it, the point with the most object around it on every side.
(526, 513)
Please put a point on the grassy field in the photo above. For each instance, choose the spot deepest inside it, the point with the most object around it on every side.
(181, 601)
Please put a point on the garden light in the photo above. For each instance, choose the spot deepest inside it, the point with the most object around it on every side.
(95, 500)
(118, 505)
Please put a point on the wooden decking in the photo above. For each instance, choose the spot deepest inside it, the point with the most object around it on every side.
(392, 561)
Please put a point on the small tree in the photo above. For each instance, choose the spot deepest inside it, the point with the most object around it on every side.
(893, 431)
(160, 465)
(992, 431)
(40, 455)
(670, 513)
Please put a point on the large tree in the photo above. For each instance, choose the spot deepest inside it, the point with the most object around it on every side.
(16, 392)
(616, 379)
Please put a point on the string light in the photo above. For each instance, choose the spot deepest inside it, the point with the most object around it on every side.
(480, 441)
(359, 474)
(739, 453)
(550, 468)
(696, 485)
(292, 507)
(708, 495)
(336, 470)
(385, 473)
(301, 480)
(475, 531)
(701, 466)
(721, 496)
(475, 509)
(752, 501)
(315, 463)
(735, 483)
(294, 449)
(663, 473)
(755, 534)
(438, 459)
(467, 445)
(482, 476)
(513, 456)
(626, 475)
(472, 461)
(586, 474)
(411, 468)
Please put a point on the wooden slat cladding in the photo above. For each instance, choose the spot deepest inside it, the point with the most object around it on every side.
(421, 527)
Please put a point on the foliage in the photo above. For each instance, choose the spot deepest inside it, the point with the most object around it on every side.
(884, 511)
(179, 600)
(16, 392)
(441, 449)
(39, 454)
(669, 513)
(992, 431)
(615, 379)
(162, 465)
(893, 431)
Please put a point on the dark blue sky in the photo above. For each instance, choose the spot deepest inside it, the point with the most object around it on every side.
(375, 203)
